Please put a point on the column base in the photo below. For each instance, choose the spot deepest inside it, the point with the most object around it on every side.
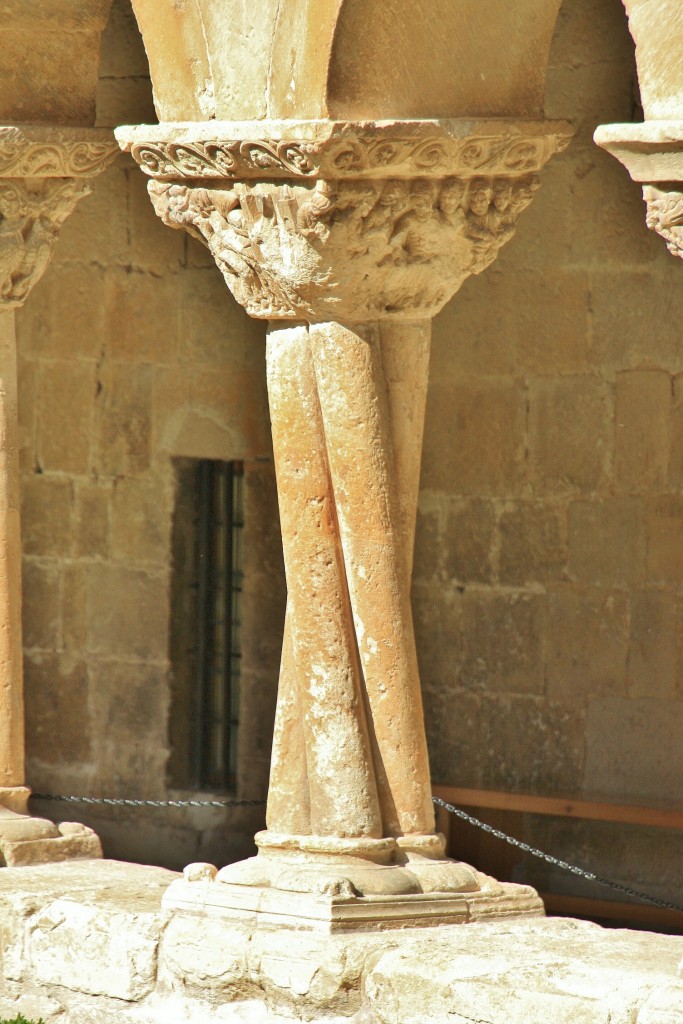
(26, 840)
(329, 885)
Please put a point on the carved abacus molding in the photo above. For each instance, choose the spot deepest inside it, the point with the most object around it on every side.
(366, 150)
(30, 152)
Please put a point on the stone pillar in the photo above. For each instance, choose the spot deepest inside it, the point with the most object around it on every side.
(348, 239)
(43, 174)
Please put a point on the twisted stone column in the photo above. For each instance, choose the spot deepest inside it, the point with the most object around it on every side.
(43, 174)
(348, 239)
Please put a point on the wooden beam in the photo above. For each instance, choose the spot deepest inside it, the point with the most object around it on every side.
(640, 913)
(563, 807)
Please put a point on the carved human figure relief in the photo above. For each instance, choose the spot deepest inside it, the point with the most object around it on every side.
(364, 249)
(30, 220)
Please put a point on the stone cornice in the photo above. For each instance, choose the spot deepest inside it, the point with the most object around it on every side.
(34, 151)
(343, 150)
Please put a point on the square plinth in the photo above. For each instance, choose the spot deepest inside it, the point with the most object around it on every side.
(325, 913)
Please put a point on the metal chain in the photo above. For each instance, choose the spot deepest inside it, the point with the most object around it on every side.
(590, 876)
(120, 802)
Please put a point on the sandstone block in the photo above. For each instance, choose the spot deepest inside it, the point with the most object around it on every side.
(624, 335)
(468, 541)
(587, 638)
(455, 722)
(131, 701)
(123, 419)
(27, 371)
(140, 521)
(213, 328)
(65, 399)
(124, 99)
(665, 537)
(59, 727)
(607, 541)
(126, 612)
(654, 658)
(46, 507)
(151, 245)
(570, 428)
(73, 605)
(41, 604)
(123, 55)
(474, 335)
(643, 413)
(437, 617)
(503, 639)
(554, 730)
(428, 541)
(65, 317)
(100, 222)
(141, 316)
(676, 462)
(474, 438)
(633, 748)
(533, 545)
(91, 534)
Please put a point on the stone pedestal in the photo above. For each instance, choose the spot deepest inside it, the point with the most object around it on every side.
(43, 174)
(348, 239)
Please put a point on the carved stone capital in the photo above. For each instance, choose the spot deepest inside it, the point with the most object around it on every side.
(665, 215)
(43, 174)
(347, 222)
(30, 219)
(652, 153)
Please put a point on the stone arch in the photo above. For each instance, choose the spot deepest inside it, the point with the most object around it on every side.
(657, 30)
(440, 58)
(49, 60)
(346, 58)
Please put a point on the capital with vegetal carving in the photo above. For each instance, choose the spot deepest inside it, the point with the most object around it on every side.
(348, 239)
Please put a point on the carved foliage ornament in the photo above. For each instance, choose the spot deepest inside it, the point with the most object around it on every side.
(30, 151)
(348, 250)
(665, 216)
(341, 158)
(30, 220)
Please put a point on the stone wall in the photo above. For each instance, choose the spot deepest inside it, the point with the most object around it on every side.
(132, 352)
(548, 569)
(548, 564)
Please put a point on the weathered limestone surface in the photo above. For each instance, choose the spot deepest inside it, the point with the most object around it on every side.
(90, 944)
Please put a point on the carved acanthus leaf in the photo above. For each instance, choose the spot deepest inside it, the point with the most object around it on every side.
(30, 220)
(360, 250)
(346, 158)
(665, 216)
